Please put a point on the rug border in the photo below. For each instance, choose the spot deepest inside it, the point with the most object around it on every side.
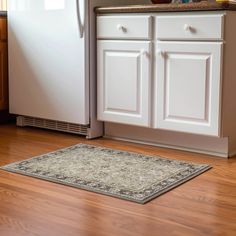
(205, 168)
(104, 147)
(177, 184)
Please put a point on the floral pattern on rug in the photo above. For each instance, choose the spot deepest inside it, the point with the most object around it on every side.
(131, 176)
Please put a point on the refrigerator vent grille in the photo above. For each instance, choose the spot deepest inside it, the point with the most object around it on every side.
(53, 125)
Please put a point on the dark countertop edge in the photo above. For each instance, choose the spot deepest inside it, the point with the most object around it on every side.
(172, 7)
(3, 13)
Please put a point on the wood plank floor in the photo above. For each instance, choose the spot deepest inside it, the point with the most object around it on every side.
(205, 205)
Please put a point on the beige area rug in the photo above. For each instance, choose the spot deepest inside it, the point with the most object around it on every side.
(121, 174)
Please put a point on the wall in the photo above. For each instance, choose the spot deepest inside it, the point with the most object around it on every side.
(3, 5)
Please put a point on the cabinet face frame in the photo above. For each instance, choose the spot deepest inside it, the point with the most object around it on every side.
(116, 83)
(167, 94)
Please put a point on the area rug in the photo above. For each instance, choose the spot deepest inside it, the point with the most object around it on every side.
(131, 176)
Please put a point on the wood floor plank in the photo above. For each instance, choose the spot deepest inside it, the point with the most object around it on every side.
(204, 206)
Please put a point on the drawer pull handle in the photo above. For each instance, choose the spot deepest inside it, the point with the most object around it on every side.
(187, 27)
(121, 28)
(161, 53)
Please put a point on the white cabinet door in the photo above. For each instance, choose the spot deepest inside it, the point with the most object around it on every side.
(124, 82)
(187, 87)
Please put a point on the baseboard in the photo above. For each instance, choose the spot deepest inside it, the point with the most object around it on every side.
(211, 153)
(213, 146)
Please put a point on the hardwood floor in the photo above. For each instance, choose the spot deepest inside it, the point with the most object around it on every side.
(205, 205)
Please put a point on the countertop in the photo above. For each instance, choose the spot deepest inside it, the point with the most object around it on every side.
(172, 7)
(3, 13)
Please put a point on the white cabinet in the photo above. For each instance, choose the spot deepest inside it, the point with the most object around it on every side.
(187, 87)
(179, 88)
(124, 81)
(192, 81)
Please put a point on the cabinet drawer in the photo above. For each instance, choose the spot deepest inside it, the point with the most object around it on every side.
(191, 27)
(124, 27)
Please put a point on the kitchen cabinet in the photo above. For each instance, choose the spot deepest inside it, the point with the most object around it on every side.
(188, 73)
(192, 85)
(185, 69)
(3, 65)
(124, 70)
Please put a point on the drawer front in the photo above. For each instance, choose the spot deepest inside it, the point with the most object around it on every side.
(124, 27)
(205, 27)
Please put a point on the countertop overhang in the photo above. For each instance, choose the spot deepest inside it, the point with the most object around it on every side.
(172, 7)
(3, 13)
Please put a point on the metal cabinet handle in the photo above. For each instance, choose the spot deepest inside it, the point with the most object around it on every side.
(79, 8)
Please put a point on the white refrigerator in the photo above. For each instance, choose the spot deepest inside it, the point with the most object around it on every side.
(52, 72)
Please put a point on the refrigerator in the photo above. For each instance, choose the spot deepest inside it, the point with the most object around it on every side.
(52, 63)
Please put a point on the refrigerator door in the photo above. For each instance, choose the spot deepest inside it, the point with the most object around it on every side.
(47, 54)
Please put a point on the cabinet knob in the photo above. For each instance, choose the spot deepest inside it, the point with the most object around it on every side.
(161, 53)
(145, 53)
(121, 28)
(187, 27)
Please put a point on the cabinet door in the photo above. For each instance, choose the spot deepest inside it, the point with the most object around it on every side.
(3, 77)
(124, 82)
(187, 87)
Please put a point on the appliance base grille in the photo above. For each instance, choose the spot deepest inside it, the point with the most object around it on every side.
(52, 125)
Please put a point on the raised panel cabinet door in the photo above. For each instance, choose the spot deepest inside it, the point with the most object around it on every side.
(187, 87)
(124, 82)
(3, 77)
